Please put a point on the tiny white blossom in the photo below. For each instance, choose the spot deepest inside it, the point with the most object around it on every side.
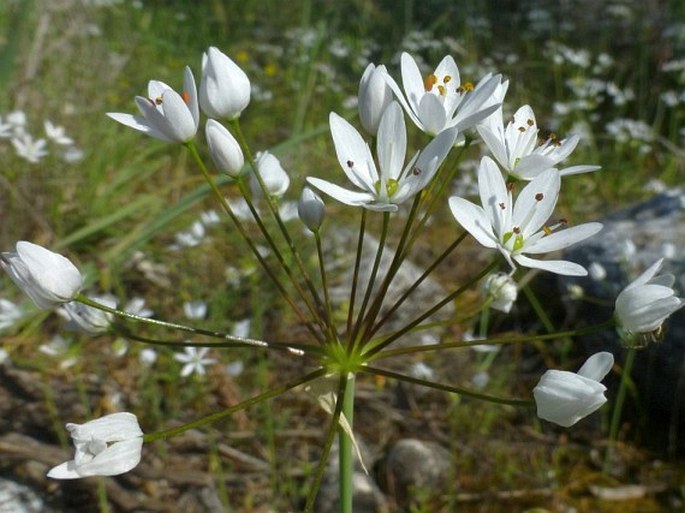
(195, 310)
(57, 134)
(29, 148)
(194, 361)
(9, 313)
(502, 290)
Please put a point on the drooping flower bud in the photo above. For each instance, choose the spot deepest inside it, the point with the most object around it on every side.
(225, 88)
(311, 209)
(46, 277)
(224, 149)
(501, 289)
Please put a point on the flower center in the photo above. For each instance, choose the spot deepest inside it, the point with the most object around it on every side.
(433, 80)
(390, 186)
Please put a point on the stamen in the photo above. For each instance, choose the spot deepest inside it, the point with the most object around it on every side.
(539, 196)
(350, 164)
(442, 90)
(522, 129)
(416, 171)
(530, 122)
(516, 230)
(501, 205)
(446, 79)
(159, 100)
(429, 82)
(186, 97)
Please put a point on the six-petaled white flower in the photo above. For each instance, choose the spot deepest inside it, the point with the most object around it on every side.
(47, 278)
(517, 149)
(518, 228)
(165, 114)
(108, 446)
(565, 397)
(643, 306)
(396, 182)
(194, 361)
(440, 100)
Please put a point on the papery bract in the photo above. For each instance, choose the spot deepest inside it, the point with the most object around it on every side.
(566, 397)
(46, 277)
(107, 446)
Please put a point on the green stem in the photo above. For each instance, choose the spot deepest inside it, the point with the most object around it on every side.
(346, 460)
(372, 278)
(330, 436)
(324, 284)
(355, 273)
(416, 284)
(451, 297)
(618, 408)
(445, 388)
(269, 394)
(513, 339)
(253, 247)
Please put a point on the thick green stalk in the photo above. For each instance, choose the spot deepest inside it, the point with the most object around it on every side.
(346, 460)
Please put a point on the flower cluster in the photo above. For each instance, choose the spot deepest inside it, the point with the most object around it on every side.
(387, 178)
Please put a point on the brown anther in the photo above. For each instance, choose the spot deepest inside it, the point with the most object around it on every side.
(510, 186)
(350, 163)
(501, 205)
(539, 196)
(516, 230)
(159, 100)
(563, 221)
(429, 82)
(185, 95)
(417, 171)
(522, 129)
(530, 122)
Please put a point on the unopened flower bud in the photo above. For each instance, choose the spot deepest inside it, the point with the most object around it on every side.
(501, 288)
(225, 88)
(224, 149)
(374, 96)
(311, 209)
(276, 180)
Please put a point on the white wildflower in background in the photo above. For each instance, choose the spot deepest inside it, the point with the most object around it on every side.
(10, 313)
(147, 357)
(597, 271)
(108, 446)
(136, 306)
(565, 397)
(29, 148)
(57, 134)
(195, 310)
(48, 278)
(194, 361)
(518, 228)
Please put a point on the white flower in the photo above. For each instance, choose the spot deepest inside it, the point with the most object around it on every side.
(46, 277)
(147, 357)
(597, 271)
(276, 180)
(396, 182)
(195, 309)
(9, 313)
(516, 229)
(643, 306)
(57, 134)
(566, 397)
(29, 148)
(194, 361)
(166, 115)
(136, 306)
(374, 97)
(224, 149)
(108, 446)
(224, 88)
(440, 100)
(311, 209)
(88, 319)
(502, 290)
(517, 149)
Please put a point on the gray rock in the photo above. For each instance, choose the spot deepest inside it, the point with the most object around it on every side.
(632, 240)
(18, 498)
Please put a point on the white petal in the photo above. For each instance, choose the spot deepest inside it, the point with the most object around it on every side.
(494, 140)
(412, 81)
(574, 170)
(392, 143)
(530, 213)
(432, 114)
(474, 220)
(563, 238)
(562, 267)
(494, 195)
(352, 198)
(597, 366)
(350, 147)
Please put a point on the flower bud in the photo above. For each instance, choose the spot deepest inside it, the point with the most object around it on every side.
(374, 96)
(46, 277)
(225, 88)
(276, 180)
(224, 149)
(311, 209)
(501, 288)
